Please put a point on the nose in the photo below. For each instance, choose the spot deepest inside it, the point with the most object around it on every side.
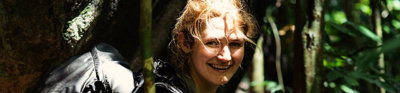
(225, 54)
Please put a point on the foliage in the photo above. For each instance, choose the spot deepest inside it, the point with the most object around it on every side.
(350, 47)
(351, 50)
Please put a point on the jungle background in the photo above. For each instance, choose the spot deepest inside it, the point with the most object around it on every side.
(313, 46)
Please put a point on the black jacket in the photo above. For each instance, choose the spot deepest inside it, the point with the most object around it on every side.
(166, 80)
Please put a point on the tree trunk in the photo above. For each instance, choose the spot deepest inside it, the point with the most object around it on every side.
(376, 21)
(313, 48)
(165, 13)
(145, 42)
(310, 35)
(34, 35)
(32, 41)
(298, 73)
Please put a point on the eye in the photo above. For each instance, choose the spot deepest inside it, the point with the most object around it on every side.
(235, 44)
(212, 43)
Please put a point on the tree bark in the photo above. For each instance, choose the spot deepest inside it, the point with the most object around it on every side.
(312, 42)
(165, 13)
(310, 35)
(376, 21)
(299, 84)
(33, 40)
(145, 42)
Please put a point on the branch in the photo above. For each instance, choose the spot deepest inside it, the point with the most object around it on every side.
(278, 52)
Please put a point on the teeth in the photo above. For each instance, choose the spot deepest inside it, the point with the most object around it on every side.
(220, 67)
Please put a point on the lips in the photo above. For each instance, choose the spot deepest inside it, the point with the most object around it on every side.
(220, 67)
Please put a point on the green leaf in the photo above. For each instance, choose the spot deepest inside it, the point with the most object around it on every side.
(365, 31)
(348, 89)
(339, 17)
(393, 4)
(374, 79)
(386, 29)
(327, 47)
(366, 59)
(272, 85)
(339, 62)
(396, 24)
(351, 81)
(364, 8)
(341, 28)
(332, 85)
(327, 17)
(390, 45)
(333, 75)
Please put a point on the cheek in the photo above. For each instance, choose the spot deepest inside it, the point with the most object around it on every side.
(238, 55)
(200, 55)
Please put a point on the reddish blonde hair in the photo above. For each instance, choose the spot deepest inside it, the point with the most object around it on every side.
(196, 16)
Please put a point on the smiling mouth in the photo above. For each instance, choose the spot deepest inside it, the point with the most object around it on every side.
(220, 67)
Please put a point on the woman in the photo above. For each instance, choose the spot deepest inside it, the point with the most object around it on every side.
(208, 42)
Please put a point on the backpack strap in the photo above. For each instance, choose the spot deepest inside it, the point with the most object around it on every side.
(101, 87)
(96, 62)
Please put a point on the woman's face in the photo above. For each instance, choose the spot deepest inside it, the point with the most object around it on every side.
(219, 52)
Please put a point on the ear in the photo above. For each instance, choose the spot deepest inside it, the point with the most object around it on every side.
(184, 45)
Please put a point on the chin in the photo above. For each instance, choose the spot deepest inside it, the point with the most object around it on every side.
(221, 80)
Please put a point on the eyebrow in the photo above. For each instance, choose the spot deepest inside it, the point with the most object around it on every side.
(236, 39)
(223, 38)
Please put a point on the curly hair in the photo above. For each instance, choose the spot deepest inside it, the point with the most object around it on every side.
(194, 19)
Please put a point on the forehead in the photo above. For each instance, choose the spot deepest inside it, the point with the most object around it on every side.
(219, 28)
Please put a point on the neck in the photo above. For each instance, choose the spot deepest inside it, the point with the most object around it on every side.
(202, 85)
